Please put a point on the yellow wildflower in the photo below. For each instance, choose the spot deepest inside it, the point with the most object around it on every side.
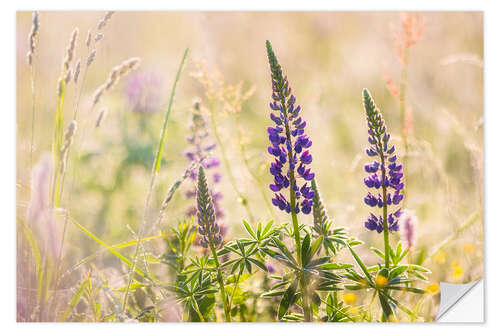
(380, 281)
(469, 248)
(432, 288)
(457, 270)
(440, 257)
(349, 298)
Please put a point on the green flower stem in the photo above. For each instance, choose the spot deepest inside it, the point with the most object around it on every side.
(234, 289)
(232, 180)
(197, 309)
(386, 308)
(387, 312)
(227, 313)
(295, 222)
(384, 196)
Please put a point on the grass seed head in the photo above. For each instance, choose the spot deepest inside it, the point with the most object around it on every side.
(32, 37)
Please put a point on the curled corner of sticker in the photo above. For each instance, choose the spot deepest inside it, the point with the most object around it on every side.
(452, 294)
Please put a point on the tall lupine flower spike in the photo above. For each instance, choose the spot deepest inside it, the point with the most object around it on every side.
(200, 150)
(289, 145)
(207, 225)
(384, 174)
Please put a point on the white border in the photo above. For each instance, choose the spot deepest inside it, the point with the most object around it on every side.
(7, 133)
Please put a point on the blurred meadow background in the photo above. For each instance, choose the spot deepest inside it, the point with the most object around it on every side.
(432, 62)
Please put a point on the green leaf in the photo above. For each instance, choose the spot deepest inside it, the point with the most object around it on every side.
(397, 271)
(241, 247)
(360, 263)
(279, 244)
(304, 252)
(266, 229)
(410, 289)
(248, 265)
(249, 229)
(274, 293)
(334, 266)
(378, 252)
(75, 299)
(33, 245)
(260, 264)
(419, 268)
(315, 247)
(329, 305)
(317, 262)
(287, 299)
(133, 286)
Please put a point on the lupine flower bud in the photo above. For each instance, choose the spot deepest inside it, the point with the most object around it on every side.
(288, 143)
(319, 211)
(207, 225)
(384, 175)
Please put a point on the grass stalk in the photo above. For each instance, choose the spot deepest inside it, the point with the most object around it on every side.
(33, 105)
(402, 112)
(155, 171)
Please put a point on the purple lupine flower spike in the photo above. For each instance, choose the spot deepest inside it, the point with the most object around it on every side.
(289, 144)
(385, 175)
(198, 150)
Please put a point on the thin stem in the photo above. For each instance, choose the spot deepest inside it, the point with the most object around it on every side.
(234, 289)
(33, 97)
(253, 174)
(220, 279)
(295, 222)
(227, 165)
(402, 111)
(140, 232)
(197, 309)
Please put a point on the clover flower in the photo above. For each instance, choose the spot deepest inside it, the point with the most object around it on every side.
(199, 150)
(385, 174)
(144, 92)
(289, 145)
(207, 226)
